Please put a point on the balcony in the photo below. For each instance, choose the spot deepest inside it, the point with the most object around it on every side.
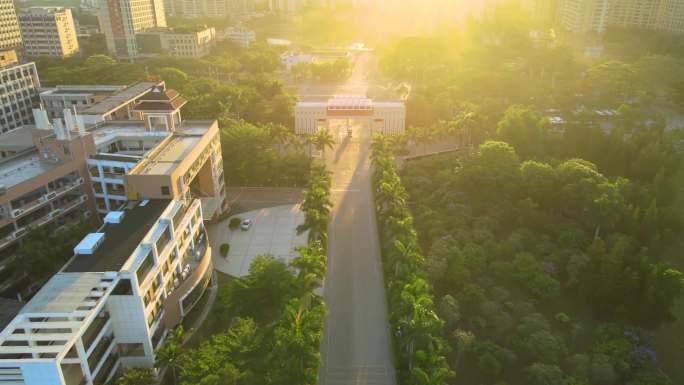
(94, 330)
(106, 369)
(196, 268)
(99, 351)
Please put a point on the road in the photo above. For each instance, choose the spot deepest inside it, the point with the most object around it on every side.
(356, 346)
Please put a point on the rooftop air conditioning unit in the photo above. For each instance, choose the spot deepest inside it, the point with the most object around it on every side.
(17, 212)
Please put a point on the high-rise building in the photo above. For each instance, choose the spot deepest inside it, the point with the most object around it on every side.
(180, 43)
(120, 20)
(19, 86)
(48, 31)
(596, 15)
(583, 16)
(10, 36)
(209, 8)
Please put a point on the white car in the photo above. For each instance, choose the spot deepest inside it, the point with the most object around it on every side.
(246, 224)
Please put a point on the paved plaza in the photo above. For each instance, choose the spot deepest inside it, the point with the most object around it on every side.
(273, 232)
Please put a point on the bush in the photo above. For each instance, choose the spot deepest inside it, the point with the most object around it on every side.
(225, 248)
(234, 223)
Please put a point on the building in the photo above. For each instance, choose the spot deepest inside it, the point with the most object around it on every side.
(209, 8)
(584, 16)
(48, 31)
(61, 172)
(120, 20)
(177, 42)
(8, 58)
(378, 117)
(595, 16)
(55, 100)
(113, 303)
(117, 106)
(10, 35)
(43, 180)
(240, 36)
(286, 6)
(19, 86)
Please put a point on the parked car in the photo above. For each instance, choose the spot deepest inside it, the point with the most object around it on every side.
(246, 224)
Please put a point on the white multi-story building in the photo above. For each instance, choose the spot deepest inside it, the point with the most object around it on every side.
(239, 35)
(48, 31)
(113, 303)
(596, 16)
(19, 86)
(55, 100)
(10, 36)
(120, 20)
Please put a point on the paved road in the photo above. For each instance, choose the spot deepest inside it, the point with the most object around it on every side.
(356, 347)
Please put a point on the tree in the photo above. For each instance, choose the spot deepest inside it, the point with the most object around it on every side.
(544, 374)
(524, 130)
(169, 354)
(323, 139)
(137, 376)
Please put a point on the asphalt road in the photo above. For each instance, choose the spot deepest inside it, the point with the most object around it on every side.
(356, 345)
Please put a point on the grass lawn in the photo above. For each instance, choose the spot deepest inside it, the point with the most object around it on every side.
(212, 324)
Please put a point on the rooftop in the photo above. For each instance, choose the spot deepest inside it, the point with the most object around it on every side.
(173, 153)
(63, 293)
(19, 169)
(16, 140)
(118, 99)
(120, 240)
(82, 90)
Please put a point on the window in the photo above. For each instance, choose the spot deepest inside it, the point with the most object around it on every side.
(165, 190)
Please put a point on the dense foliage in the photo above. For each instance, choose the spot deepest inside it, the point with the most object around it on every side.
(264, 155)
(273, 318)
(324, 72)
(551, 272)
(417, 329)
(230, 83)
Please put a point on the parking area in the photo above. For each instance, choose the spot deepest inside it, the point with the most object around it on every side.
(273, 232)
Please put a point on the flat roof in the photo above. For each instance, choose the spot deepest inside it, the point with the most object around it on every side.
(118, 99)
(173, 153)
(63, 293)
(17, 140)
(120, 240)
(122, 130)
(19, 169)
(117, 158)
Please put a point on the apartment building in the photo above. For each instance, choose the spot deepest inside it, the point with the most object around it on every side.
(117, 106)
(177, 42)
(120, 20)
(43, 181)
(113, 303)
(595, 16)
(163, 156)
(56, 100)
(10, 35)
(19, 84)
(48, 31)
(208, 8)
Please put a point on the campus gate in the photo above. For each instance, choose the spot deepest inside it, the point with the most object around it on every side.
(381, 117)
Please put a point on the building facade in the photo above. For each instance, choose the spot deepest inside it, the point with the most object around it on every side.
(240, 36)
(120, 20)
(10, 35)
(113, 303)
(48, 31)
(595, 16)
(177, 42)
(64, 171)
(19, 84)
(55, 100)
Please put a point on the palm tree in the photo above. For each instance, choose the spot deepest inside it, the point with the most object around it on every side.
(168, 355)
(323, 139)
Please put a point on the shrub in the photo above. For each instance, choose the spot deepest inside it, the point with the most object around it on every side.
(234, 223)
(225, 248)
